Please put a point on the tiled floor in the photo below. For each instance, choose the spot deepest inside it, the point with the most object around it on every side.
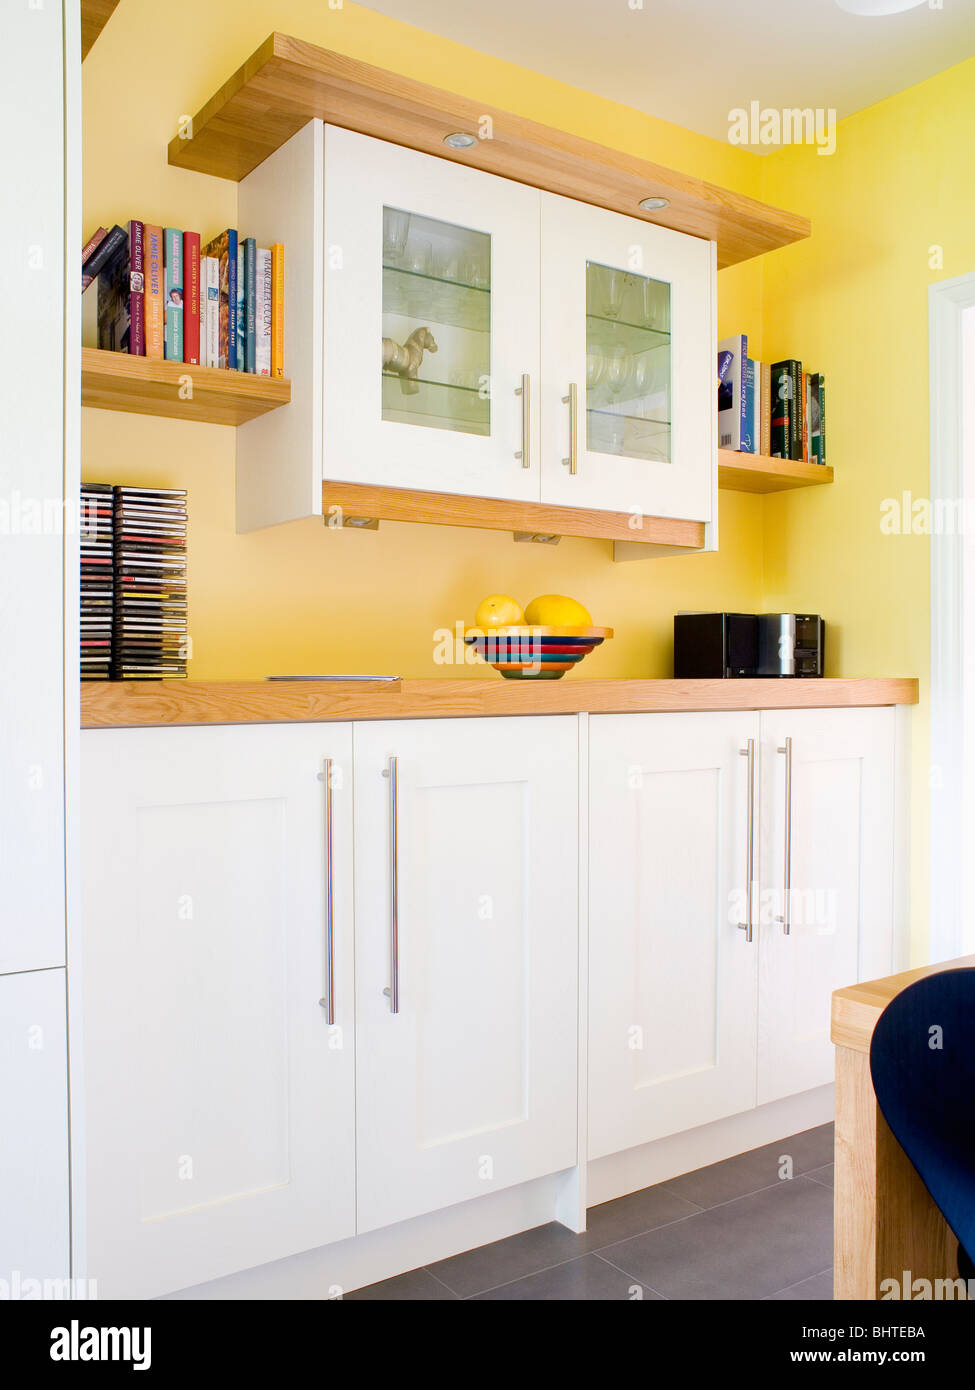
(741, 1229)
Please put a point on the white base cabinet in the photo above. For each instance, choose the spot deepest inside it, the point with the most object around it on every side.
(220, 1104)
(466, 951)
(692, 1017)
(421, 880)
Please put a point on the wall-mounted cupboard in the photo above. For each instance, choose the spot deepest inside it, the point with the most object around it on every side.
(453, 332)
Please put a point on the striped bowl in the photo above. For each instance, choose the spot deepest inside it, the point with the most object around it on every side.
(535, 653)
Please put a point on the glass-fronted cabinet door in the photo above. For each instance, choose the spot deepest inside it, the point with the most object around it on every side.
(431, 368)
(628, 347)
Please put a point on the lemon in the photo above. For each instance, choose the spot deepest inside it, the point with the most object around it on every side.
(498, 610)
(557, 610)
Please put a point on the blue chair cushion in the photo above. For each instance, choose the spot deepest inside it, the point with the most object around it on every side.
(922, 1060)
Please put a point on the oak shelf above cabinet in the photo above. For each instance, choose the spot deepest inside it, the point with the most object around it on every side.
(288, 82)
(756, 473)
(148, 386)
(95, 14)
(357, 501)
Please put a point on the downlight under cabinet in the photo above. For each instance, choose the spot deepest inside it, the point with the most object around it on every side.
(451, 332)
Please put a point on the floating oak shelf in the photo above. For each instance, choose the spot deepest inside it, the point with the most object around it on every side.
(287, 82)
(357, 500)
(756, 473)
(95, 14)
(147, 386)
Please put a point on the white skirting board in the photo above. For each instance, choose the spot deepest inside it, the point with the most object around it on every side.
(330, 1271)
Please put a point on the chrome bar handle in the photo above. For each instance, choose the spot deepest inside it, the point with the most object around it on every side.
(392, 990)
(328, 1001)
(748, 926)
(572, 401)
(786, 915)
(525, 392)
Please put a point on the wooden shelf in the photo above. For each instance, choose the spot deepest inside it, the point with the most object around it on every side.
(287, 82)
(95, 14)
(128, 704)
(146, 386)
(498, 514)
(756, 473)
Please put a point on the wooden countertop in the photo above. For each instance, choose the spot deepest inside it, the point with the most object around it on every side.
(856, 1009)
(124, 704)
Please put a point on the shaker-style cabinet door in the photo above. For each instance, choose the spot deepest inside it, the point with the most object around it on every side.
(827, 881)
(672, 973)
(466, 959)
(628, 353)
(218, 995)
(431, 323)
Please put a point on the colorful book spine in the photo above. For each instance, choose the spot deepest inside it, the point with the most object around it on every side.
(241, 309)
(137, 288)
(765, 442)
(732, 390)
(191, 301)
(262, 327)
(109, 246)
(277, 310)
(250, 304)
(87, 251)
(822, 418)
(173, 257)
(211, 288)
(800, 396)
(781, 410)
(224, 249)
(155, 318)
(748, 423)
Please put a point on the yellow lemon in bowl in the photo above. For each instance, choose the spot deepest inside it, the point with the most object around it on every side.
(557, 610)
(498, 610)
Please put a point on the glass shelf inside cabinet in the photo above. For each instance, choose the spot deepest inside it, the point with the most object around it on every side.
(436, 355)
(628, 363)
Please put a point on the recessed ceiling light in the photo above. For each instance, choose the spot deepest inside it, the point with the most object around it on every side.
(460, 140)
(654, 204)
(877, 9)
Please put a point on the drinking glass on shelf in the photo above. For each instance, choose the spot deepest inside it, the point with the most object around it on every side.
(618, 368)
(475, 268)
(613, 285)
(595, 367)
(417, 260)
(396, 231)
(656, 305)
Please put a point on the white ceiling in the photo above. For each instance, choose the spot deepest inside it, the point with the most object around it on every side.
(693, 61)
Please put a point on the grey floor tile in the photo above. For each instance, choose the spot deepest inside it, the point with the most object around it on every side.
(588, 1279)
(632, 1215)
(823, 1175)
(416, 1286)
(744, 1249)
(818, 1288)
(758, 1168)
(505, 1260)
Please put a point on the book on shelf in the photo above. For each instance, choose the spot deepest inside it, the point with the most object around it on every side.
(223, 249)
(99, 250)
(112, 315)
(155, 289)
(263, 314)
(249, 334)
(191, 298)
(732, 379)
(173, 254)
(765, 429)
(277, 309)
(87, 251)
(210, 324)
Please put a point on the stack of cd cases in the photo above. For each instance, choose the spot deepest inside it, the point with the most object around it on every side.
(97, 578)
(149, 641)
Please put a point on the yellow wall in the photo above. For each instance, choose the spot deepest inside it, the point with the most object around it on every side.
(298, 597)
(852, 301)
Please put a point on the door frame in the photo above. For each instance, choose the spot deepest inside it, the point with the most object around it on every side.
(951, 321)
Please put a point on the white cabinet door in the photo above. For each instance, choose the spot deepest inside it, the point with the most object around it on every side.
(34, 1223)
(220, 1120)
(471, 1085)
(672, 978)
(628, 336)
(840, 895)
(420, 245)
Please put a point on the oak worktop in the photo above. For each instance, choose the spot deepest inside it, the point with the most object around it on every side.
(126, 704)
